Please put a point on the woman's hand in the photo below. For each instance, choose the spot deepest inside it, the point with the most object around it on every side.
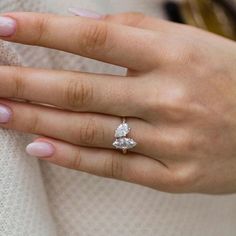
(179, 98)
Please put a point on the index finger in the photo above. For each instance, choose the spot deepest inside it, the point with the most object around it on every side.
(104, 41)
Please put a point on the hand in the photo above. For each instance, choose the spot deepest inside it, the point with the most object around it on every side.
(179, 98)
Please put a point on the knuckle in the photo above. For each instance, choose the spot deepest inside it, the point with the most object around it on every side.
(175, 53)
(113, 167)
(34, 124)
(75, 163)
(131, 18)
(41, 25)
(78, 93)
(18, 83)
(90, 133)
(187, 53)
(180, 52)
(136, 19)
(183, 180)
(94, 38)
(181, 142)
(139, 16)
(191, 54)
(169, 101)
(178, 143)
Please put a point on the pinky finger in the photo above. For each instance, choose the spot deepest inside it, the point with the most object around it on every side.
(131, 167)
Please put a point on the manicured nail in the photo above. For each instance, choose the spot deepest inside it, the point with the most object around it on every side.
(40, 149)
(5, 114)
(7, 26)
(85, 13)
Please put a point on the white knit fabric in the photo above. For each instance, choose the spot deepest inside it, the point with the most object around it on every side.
(39, 199)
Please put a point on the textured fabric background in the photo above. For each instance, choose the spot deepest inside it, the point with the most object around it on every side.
(39, 199)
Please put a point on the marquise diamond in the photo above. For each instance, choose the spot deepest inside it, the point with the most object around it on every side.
(124, 143)
(122, 130)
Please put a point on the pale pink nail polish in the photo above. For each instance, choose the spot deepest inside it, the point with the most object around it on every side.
(7, 26)
(40, 149)
(85, 13)
(5, 114)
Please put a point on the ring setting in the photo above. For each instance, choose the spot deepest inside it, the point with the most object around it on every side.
(122, 141)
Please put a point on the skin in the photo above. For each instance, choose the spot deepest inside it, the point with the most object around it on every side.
(179, 97)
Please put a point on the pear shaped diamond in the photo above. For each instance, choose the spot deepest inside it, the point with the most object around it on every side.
(122, 130)
(124, 143)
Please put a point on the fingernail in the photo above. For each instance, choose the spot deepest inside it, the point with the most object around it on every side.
(7, 26)
(5, 114)
(85, 13)
(40, 149)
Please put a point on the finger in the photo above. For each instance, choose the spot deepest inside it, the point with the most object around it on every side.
(85, 129)
(94, 130)
(142, 21)
(112, 43)
(107, 163)
(112, 95)
(133, 19)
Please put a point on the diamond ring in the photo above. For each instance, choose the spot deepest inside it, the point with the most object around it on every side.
(122, 142)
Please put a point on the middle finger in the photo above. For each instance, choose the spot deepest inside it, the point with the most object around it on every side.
(113, 95)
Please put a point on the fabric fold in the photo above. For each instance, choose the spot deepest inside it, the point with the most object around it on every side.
(24, 208)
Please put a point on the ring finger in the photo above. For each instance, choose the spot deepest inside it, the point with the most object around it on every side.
(85, 129)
